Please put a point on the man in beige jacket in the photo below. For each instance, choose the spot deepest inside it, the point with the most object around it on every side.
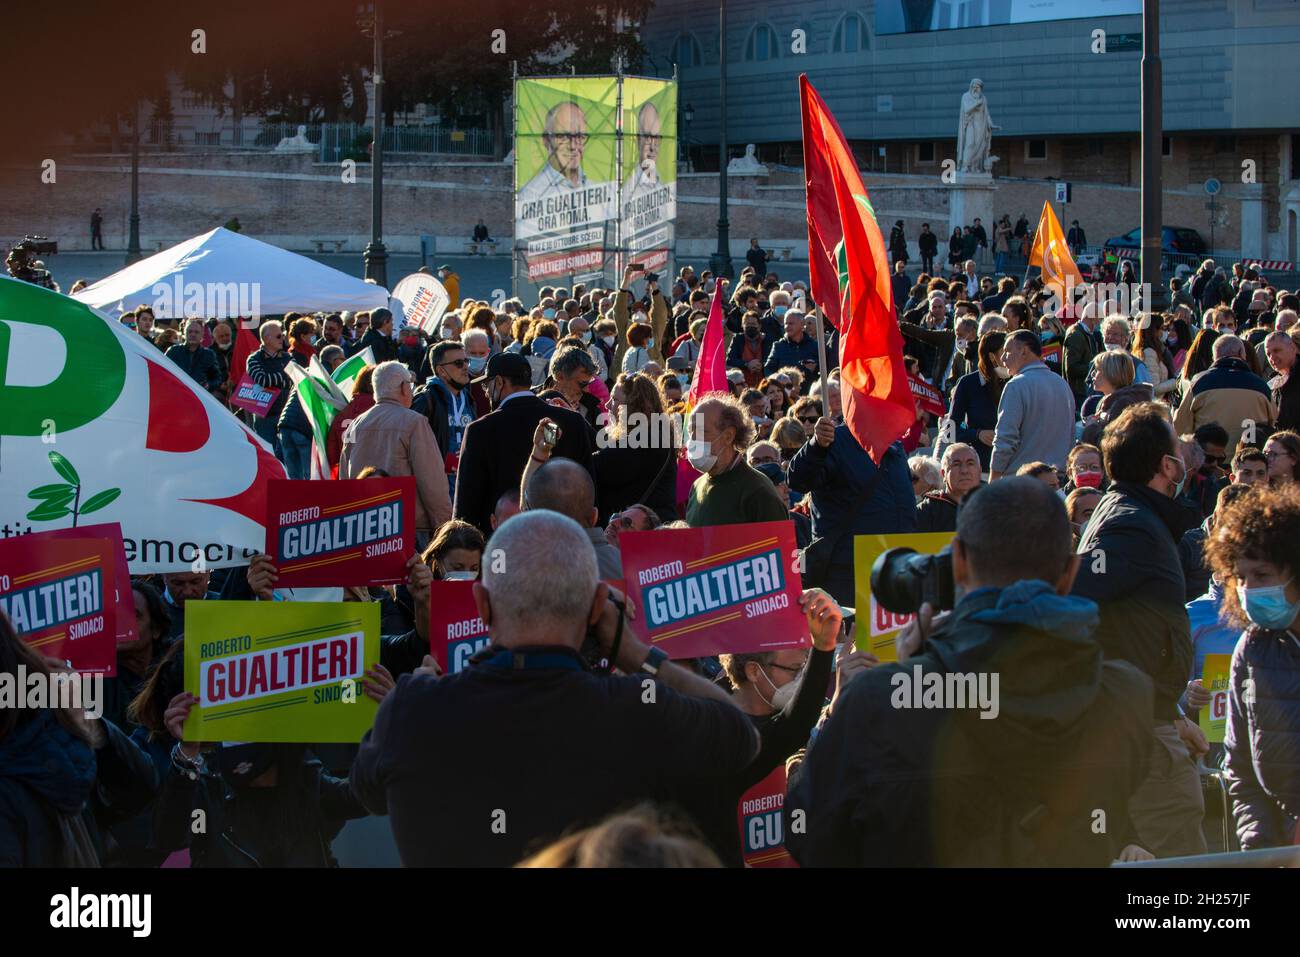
(391, 437)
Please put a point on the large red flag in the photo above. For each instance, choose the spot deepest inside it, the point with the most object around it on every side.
(848, 267)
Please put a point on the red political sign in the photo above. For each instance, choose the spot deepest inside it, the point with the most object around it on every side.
(706, 591)
(931, 399)
(251, 397)
(762, 827)
(124, 606)
(349, 532)
(456, 632)
(59, 593)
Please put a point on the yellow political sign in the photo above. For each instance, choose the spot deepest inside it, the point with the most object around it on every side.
(876, 625)
(1214, 716)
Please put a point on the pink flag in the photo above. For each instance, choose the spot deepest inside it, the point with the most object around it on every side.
(711, 367)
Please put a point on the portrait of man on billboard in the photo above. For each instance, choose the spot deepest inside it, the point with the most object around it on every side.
(565, 138)
(646, 175)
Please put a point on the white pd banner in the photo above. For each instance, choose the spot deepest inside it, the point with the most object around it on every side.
(97, 425)
(423, 300)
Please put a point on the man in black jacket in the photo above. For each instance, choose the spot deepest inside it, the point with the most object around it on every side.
(378, 337)
(495, 448)
(927, 244)
(1131, 569)
(901, 778)
(446, 402)
(479, 767)
(1281, 351)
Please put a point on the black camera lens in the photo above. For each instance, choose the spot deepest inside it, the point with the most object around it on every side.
(902, 580)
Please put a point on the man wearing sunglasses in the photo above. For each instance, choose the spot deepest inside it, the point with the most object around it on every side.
(446, 402)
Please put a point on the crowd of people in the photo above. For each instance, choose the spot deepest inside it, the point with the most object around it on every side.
(1123, 492)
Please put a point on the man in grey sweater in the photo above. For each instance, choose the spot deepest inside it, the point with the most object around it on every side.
(1036, 413)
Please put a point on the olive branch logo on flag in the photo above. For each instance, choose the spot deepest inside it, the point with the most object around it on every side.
(56, 498)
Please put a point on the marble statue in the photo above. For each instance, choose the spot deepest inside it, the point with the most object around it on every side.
(975, 133)
(296, 144)
(747, 164)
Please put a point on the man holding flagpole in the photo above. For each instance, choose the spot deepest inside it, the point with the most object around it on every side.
(857, 472)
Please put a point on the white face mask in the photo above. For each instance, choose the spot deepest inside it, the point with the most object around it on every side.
(1114, 347)
(782, 696)
(701, 455)
(608, 340)
(1002, 372)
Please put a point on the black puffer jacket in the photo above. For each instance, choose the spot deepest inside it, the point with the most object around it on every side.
(1131, 569)
(1262, 740)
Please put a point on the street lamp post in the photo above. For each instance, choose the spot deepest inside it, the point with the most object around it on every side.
(133, 253)
(371, 16)
(720, 261)
(688, 114)
(1152, 127)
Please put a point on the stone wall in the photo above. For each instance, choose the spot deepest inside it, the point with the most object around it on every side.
(291, 200)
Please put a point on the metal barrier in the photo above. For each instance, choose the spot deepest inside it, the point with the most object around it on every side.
(1264, 857)
(336, 141)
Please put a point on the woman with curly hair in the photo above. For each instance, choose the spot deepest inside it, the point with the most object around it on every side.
(1255, 551)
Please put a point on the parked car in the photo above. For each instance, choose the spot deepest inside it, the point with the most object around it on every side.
(1178, 242)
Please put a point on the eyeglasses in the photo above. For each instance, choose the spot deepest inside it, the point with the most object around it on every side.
(1276, 454)
(623, 522)
(458, 363)
(791, 670)
(1215, 459)
(573, 139)
(808, 419)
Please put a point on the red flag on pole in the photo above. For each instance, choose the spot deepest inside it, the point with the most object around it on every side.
(849, 276)
(246, 343)
(711, 366)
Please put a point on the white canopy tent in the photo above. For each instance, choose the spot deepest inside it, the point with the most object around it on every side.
(223, 275)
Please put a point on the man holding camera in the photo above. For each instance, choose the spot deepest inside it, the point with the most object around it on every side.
(899, 779)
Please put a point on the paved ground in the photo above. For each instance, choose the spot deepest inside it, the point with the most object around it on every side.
(480, 276)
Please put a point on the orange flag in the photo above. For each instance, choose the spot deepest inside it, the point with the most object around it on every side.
(1052, 255)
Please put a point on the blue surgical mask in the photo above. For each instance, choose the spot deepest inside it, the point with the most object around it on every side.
(476, 365)
(780, 311)
(1267, 606)
(548, 313)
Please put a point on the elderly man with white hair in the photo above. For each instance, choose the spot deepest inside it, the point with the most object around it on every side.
(1231, 395)
(391, 437)
(959, 469)
(199, 363)
(479, 766)
(267, 368)
(1280, 349)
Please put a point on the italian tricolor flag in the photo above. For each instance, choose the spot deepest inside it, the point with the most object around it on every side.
(322, 396)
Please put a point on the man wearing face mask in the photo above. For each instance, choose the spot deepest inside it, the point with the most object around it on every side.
(748, 349)
(730, 491)
(446, 402)
(782, 692)
(1131, 569)
(495, 448)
